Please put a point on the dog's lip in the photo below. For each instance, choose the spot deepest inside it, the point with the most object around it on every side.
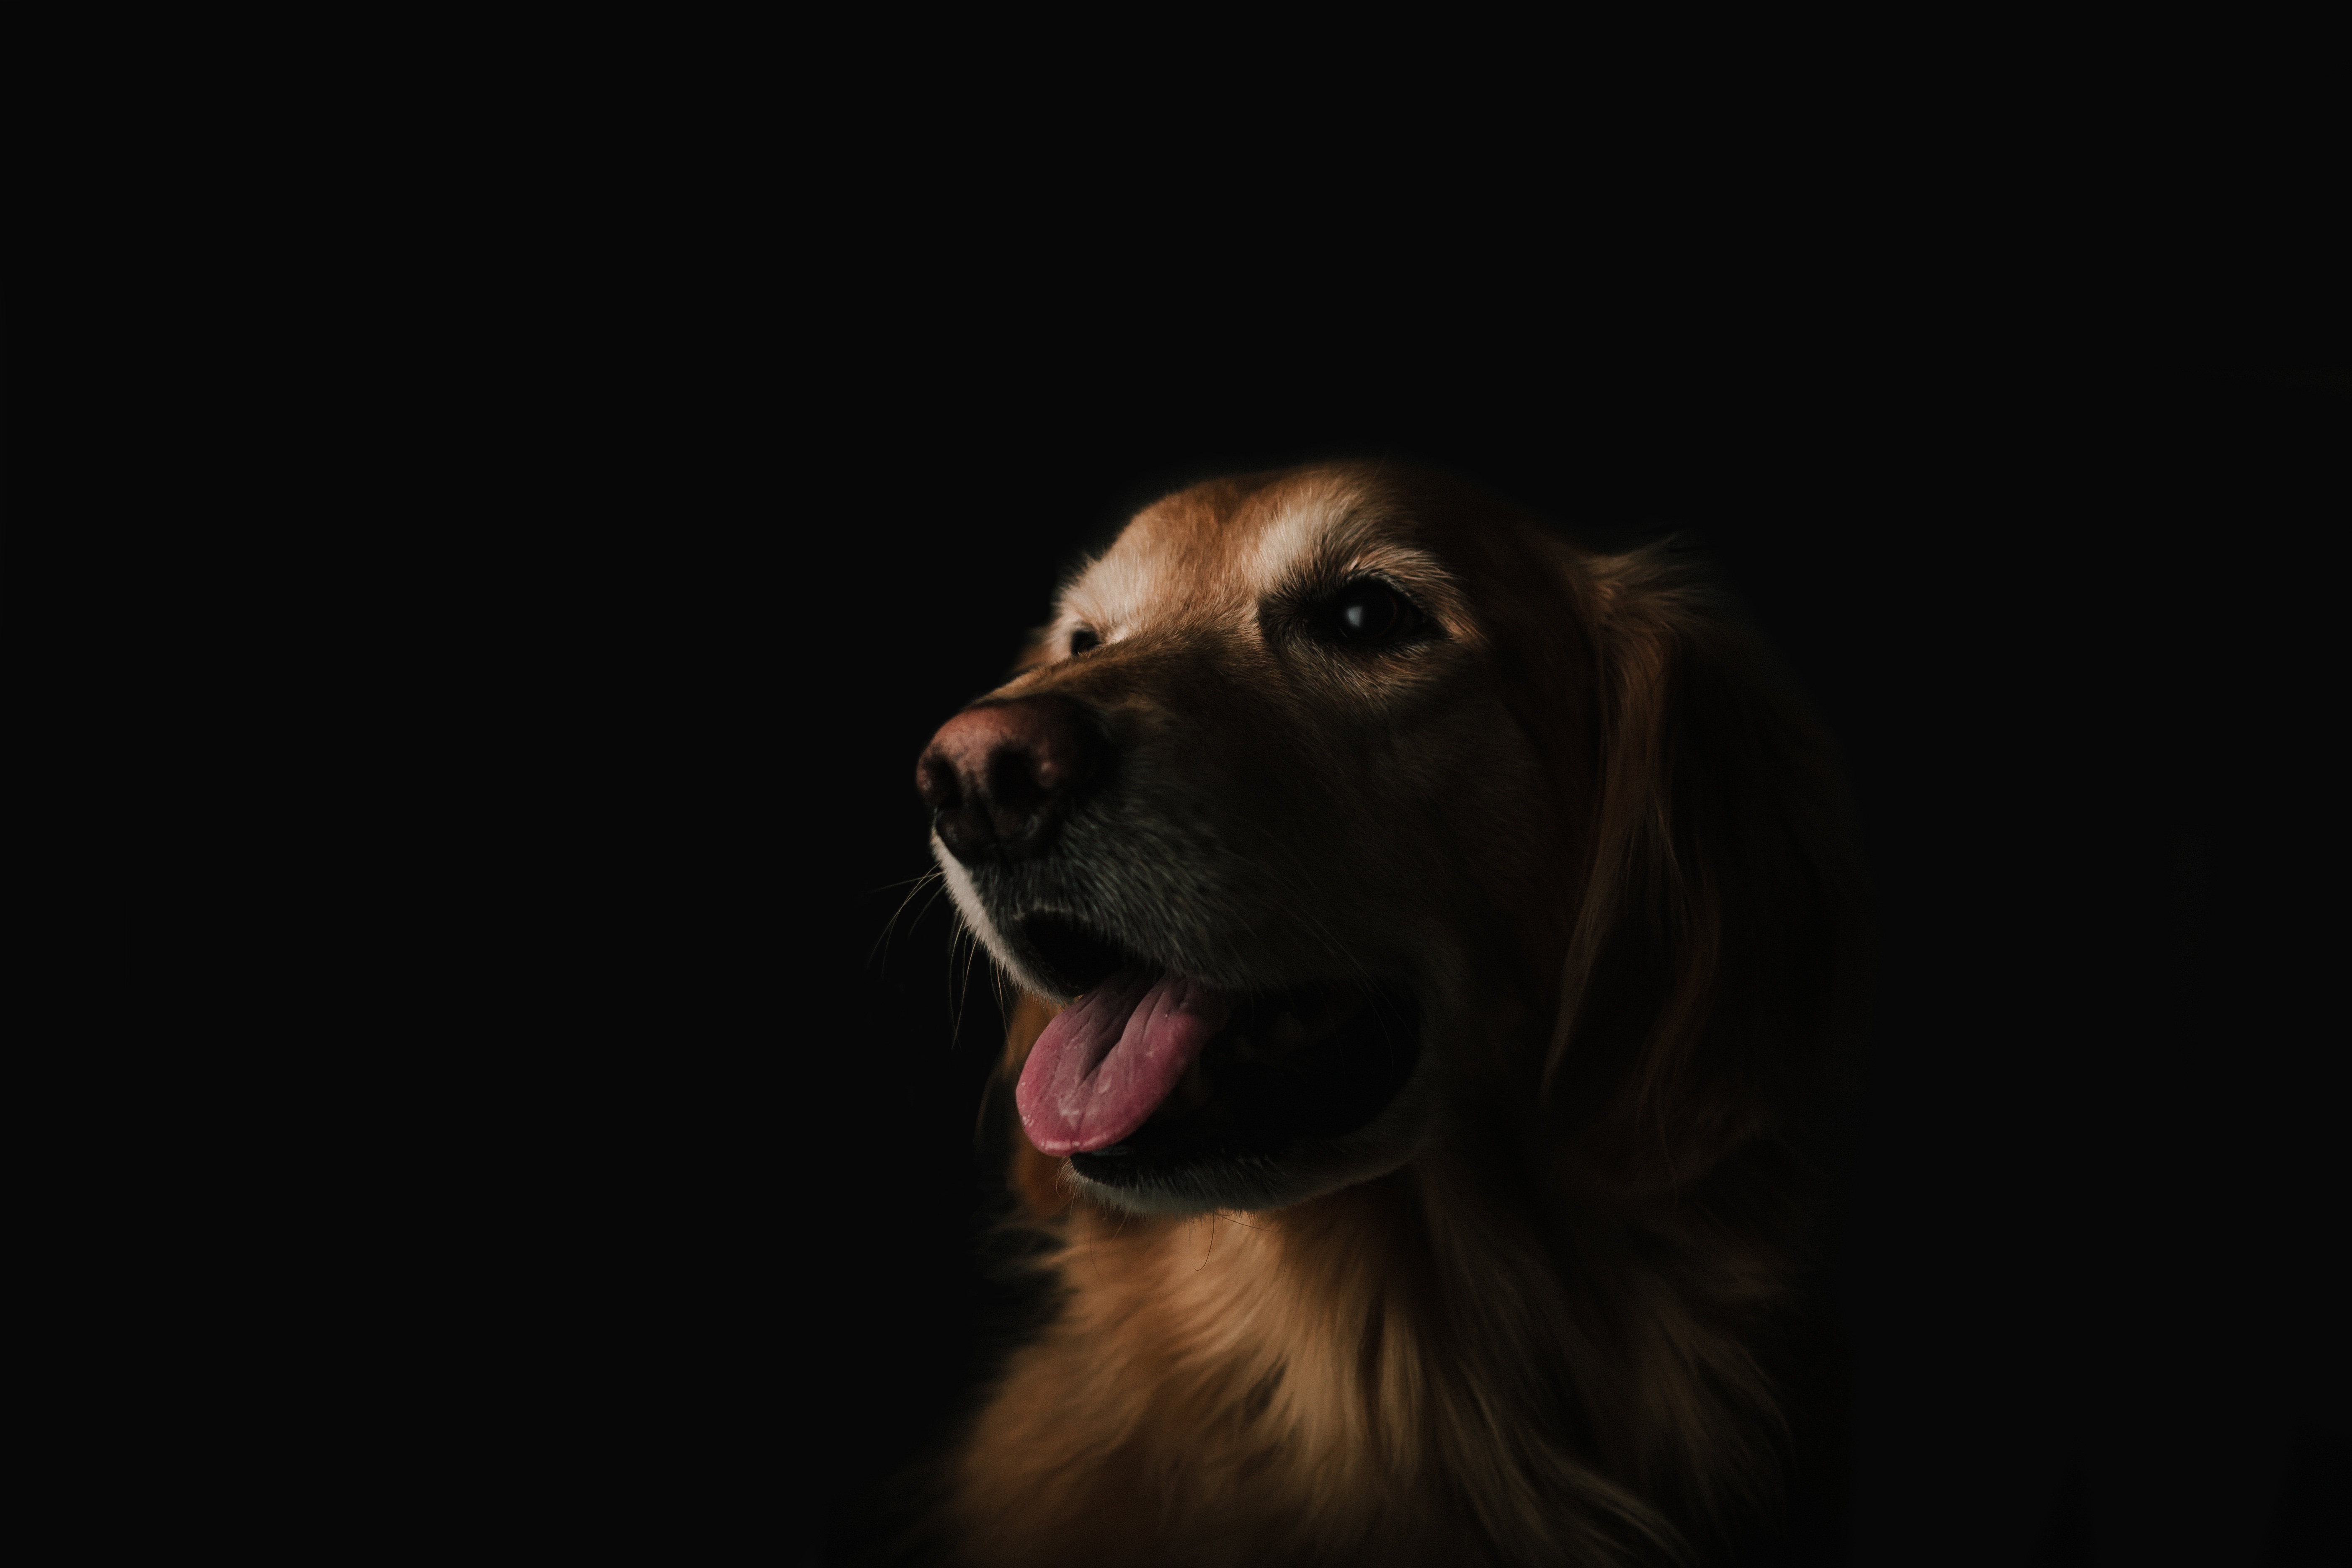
(1069, 954)
(1072, 955)
(1271, 1088)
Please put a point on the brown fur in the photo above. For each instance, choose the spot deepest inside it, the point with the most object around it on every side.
(1570, 1326)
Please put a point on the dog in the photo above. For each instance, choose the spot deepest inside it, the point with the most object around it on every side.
(1437, 950)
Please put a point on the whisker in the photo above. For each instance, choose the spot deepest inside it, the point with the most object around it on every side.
(964, 993)
(881, 943)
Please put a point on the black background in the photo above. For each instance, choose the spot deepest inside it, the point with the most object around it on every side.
(592, 531)
(718, 1169)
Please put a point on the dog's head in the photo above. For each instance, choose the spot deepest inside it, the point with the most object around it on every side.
(1343, 810)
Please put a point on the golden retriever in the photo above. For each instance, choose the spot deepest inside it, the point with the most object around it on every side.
(1437, 947)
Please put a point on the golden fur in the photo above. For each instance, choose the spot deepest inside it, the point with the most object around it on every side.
(1566, 1316)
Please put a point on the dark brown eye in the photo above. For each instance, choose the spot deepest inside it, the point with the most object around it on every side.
(1371, 612)
(1082, 640)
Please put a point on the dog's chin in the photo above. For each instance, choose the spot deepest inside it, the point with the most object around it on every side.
(1308, 1087)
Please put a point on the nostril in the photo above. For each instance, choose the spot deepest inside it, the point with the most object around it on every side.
(1014, 785)
(936, 781)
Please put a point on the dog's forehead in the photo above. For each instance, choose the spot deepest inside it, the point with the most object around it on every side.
(1225, 544)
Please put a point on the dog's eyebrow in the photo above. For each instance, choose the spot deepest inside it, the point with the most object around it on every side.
(1348, 545)
(1111, 589)
(1306, 534)
(1411, 566)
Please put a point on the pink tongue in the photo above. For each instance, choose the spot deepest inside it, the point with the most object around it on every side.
(1107, 1061)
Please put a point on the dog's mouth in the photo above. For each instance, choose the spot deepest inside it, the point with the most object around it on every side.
(1149, 1076)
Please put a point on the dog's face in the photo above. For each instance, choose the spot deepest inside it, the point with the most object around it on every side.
(1274, 810)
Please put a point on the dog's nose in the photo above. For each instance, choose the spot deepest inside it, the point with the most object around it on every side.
(998, 778)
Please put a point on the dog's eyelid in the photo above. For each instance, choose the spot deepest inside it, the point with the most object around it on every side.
(1374, 574)
(1315, 587)
(1320, 608)
(1415, 574)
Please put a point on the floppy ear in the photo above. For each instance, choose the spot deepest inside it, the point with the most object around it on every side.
(1707, 992)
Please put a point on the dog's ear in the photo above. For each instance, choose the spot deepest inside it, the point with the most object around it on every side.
(1707, 990)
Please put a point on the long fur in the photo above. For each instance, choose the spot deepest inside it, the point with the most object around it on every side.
(1582, 1323)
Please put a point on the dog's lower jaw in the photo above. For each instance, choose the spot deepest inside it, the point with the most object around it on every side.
(1245, 1189)
(1254, 1184)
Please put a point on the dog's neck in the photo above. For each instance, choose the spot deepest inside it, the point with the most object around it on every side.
(1393, 1339)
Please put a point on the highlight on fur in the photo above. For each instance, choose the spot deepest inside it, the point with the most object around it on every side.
(1556, 1296)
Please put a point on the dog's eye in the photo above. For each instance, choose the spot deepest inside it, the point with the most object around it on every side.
(1084, 639)
(1371, 612)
